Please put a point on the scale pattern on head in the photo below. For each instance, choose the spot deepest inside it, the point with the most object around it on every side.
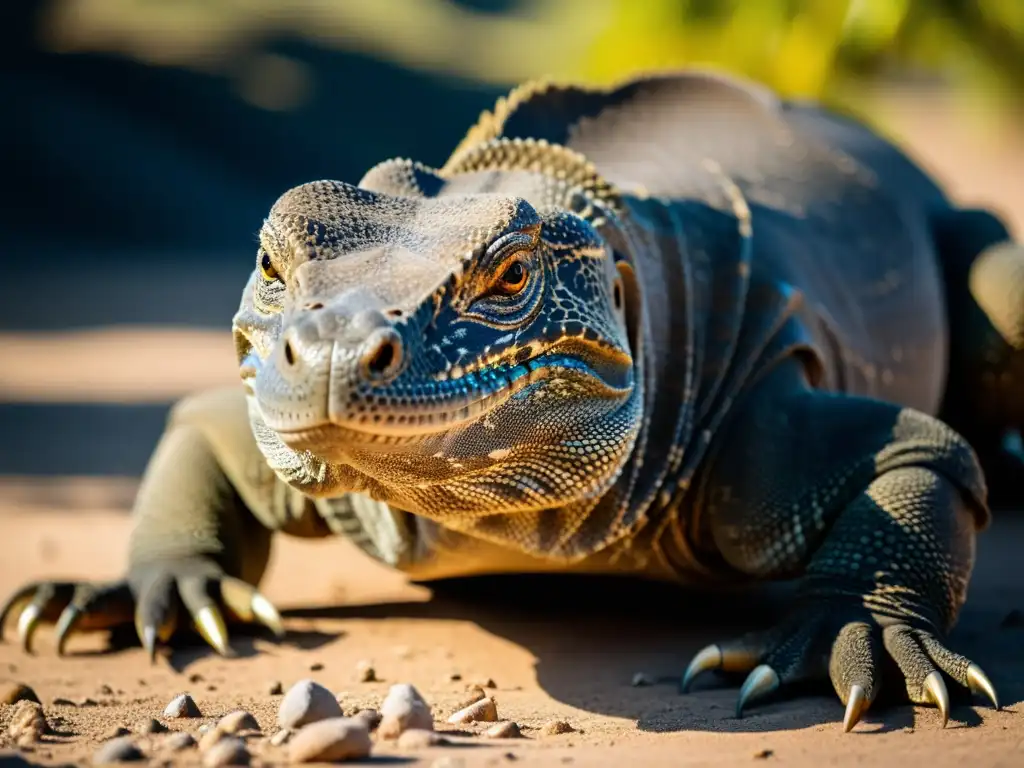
(454, 345)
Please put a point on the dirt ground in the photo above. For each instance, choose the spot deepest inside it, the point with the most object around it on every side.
(565, 650)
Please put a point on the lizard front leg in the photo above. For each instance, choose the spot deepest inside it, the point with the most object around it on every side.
(200, 540)
(874, 508)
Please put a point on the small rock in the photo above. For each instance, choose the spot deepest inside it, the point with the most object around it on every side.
(483, 711)
(228, 751)
(365, 672)
(642, 679)
(178, 742)
(106, 690)
(210, 739)
(27, 722)
(453, 677)
(486, 682)
(151, 726)
(417, 738)
(307, 702)
(505, 730)
(87, 702)
(556, 727)
(403, 709)
(237, 722)
(280, 737)
(12, 693)
(182, 705)
(473, 695)
(62, 702)
(275, 688)
(370, 716)
(337, 738)
(195, 677)
(115, 733)
(764, 754)
(120, 750)
(316, 666)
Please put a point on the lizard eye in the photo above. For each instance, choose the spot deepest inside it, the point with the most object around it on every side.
(267, 269)
(513, 279)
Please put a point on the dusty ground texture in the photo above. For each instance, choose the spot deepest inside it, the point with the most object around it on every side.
(566, 650)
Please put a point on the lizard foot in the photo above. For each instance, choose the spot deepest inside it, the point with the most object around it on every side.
(151, 598)
(848, 650)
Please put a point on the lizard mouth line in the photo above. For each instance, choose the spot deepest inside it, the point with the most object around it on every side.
(411, 421)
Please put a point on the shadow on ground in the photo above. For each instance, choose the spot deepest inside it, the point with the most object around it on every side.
(590, 636)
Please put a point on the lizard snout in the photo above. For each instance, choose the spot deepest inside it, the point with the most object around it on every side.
(324, 355)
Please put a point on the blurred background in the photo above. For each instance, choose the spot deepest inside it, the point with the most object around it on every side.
(145, 140)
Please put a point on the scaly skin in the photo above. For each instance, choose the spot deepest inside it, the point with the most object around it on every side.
(678, 329)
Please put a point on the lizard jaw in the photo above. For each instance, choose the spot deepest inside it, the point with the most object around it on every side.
(413, 425)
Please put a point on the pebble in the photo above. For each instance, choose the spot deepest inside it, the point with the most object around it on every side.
(62, 702)
(12, 693)
(641, 679)
(280, 737)
(505, 730)
(486, 682)
(337, 738)
(87, 702)
(417, 738)
(316, 666)
(237, 722)
(120, 750)
(228, 751)
(210, 739)
(365, 672)
(178, 742)
(403, 709)
(151, 726)
(483, 711)
(763, 754)
(307, 702)
(473, 695)
(115, 733)
(195, 677)
(556, 727)
(275, 688)
(182, 705)
(370, 716)
(106, 690)
(27, 722)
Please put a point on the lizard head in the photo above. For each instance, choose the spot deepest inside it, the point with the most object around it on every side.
(446, 350)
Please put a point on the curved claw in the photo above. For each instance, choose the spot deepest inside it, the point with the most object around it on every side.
(709, 657)
(936, 691)
(267, 614)
(15, 601)
(856, 705)
(69, 617)
(210, 623)
(27, 623)
(759, 683)
(978, 682)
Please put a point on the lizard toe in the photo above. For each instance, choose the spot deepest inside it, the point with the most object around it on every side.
(848, 648)
(70, 606)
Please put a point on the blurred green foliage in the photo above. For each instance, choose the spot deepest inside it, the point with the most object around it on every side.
(830, 49)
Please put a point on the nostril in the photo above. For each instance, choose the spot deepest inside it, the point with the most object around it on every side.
(381, 360)
(384, 359)
(289, 353)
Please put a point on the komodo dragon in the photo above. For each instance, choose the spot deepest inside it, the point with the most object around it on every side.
(678, 328)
